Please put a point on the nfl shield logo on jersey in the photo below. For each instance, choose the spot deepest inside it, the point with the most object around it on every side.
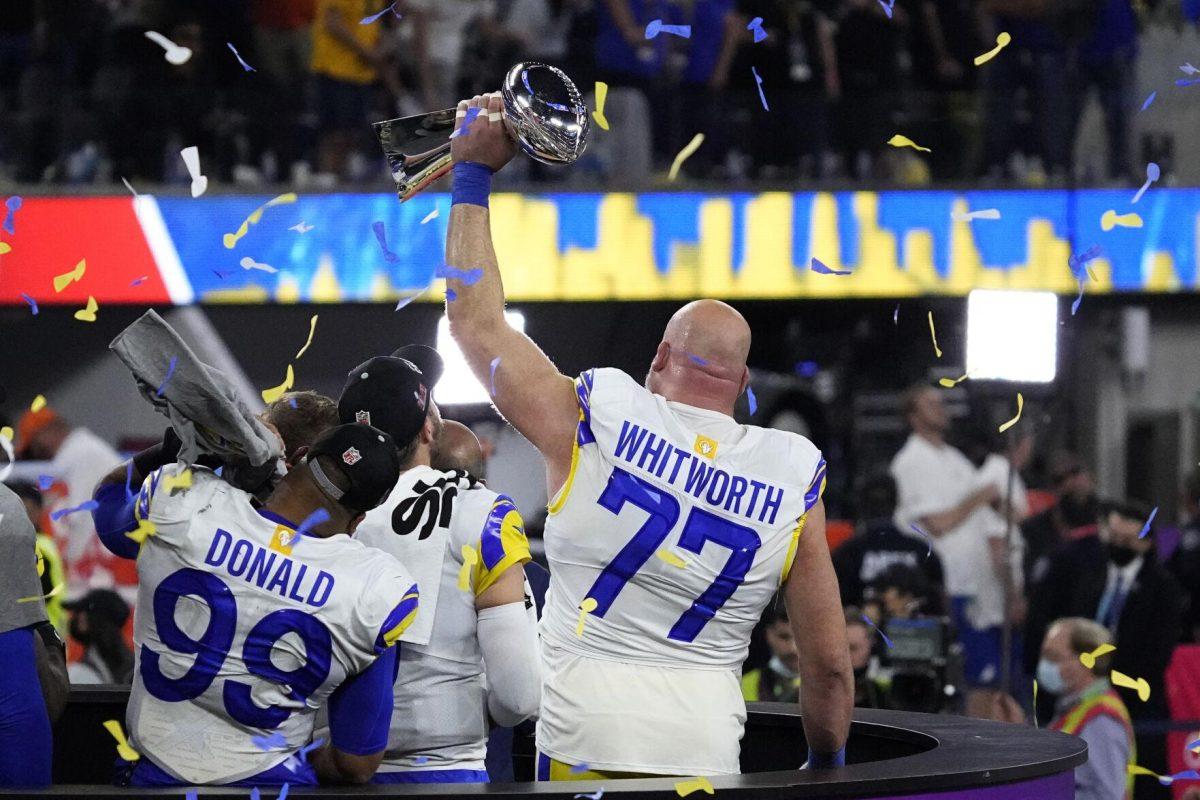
(352, 456)
(362, 417)
(705, 446)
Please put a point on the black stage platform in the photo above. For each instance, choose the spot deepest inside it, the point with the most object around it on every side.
(891, 754)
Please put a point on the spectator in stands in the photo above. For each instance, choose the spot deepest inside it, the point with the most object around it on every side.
(97, 622)
(779, 681)
(939, 491)
(902, 592)
(702, 102)
(860, 637)
(1087, 707)
(868, 57)
(444, 29)
(1185, 561)
(879, 545)
(282, 56)
(50, 564)
(1074, 515)
(1107, 62)
(1115, 579)
(79, 459)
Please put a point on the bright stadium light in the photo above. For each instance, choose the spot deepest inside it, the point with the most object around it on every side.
(1012, 336)
(458, 385)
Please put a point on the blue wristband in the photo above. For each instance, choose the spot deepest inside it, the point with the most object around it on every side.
(826, 760)
(472, 184)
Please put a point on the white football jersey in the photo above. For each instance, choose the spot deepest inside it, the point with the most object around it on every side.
(440, 720)
(244, 628)
(672, 532)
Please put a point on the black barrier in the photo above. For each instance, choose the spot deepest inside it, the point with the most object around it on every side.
(890, 753)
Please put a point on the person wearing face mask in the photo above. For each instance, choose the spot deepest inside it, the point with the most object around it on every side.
(1115, 579)
(1086, 706)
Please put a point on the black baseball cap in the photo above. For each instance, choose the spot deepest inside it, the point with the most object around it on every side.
(103, 603)
(388, 392)
(428, 361)
(364, 457)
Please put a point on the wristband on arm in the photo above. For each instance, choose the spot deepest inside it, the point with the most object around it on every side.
(826, 760)
(472, 184)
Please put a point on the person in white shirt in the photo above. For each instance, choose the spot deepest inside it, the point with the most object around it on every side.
(671, 526)
(941, 495)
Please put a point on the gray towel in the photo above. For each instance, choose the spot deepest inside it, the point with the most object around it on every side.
(197, 398)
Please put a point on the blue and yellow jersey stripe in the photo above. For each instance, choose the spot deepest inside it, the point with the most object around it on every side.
(816, 488)
(502, 543)
(141, 510)
(398, 620)
(583, 436)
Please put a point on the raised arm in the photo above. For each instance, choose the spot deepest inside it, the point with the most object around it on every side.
(537, 399)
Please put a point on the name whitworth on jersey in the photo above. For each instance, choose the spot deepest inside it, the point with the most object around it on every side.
(254, 564)
(654, 453)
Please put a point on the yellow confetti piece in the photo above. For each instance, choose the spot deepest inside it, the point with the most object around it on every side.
(1035, 720)
(933, 333)
(123, 749)
(231, 239)
(144, 530)
(1141, 686)
(1002, 41)
(7, 432)
(903, 141)
(38, 403)
(312, 328)
(61, 281)
(586, 607)
(88, 314)
(470, 559)
(1111, 219)
(181, 481)
(601, 96)
(41, 564)
(1014, 420)
(950, 383)
(7, 248)
(1089, 659)
(57, 590)
(271, 395)
(684, 155)
(672, 559)
(701, 784)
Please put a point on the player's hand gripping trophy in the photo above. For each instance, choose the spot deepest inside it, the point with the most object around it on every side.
(542, 111)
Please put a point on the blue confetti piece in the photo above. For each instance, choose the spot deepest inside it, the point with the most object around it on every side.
(45, 482)
(190, 794)
(451, 295)
(166, 380)
(752, 400)
(1187, 81)
(896, 315)
(820, 268)
(596, 795)
(1149, 522)
(311, 521)
(139, 281)
(758, 82)
(887, 7)
(495, 363)
(222, 275)
(578, 768)
(698, 360)
(1149, 100)
(469, 277)
(1078, 263)
(470, 116)
(32, 303)
(406, 300)
(373, 17)
(656, 27)
(886, 640)
(421, 760)
(756, 26)
(271, 742)
(254, 794)
(128, 481)
(89, 505)
(241, 60)
(1078, 298)
(14, 205)
(926, 536)
(283, 792)
(292, 402)
(381, 236)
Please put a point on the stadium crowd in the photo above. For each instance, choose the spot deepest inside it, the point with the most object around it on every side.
(87, 98)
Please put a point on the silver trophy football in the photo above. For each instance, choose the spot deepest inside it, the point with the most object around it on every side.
(543, 111)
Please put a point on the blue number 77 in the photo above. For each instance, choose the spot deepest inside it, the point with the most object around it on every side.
(701, 526)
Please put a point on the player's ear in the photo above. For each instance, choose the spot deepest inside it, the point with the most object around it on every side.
(296, 457)
(745, 380)
(355, 522)
(661, 356)
(429, 430)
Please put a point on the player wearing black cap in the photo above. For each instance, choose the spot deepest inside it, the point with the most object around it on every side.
(251, 618)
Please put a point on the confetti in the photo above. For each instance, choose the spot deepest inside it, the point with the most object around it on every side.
(406, 300)
(596, 795)
(5, 247)
(13, 204)
(139, 281)
(301, 228)
(756, 26)
(1183, 82)
(88, 313)
(129, 480)
(1149, 522)
(1089, 659)
(495, 363)
(986, 213)
(231, 239)
(1149, 100)
(271, 395)
(820, 268)
(656, 27)
(38, 403)
(283, 792)
(1002, 41)
(883, 635)
(129, 186)
(419, 760)
(1188, 69)
(1014, 420)
(933, 334)
(373, 17)
(925, 535)
(170, 371)
(588, 605)
(1077, 262)
(57, 590)
(888, 7)
(432, 215)
(1153, 173)
(295, 762)
(758, 82)
(312, 520)
(41, 561)
(381, 237)
(751, 400)
(61, 281)
(701, 784)
(181, 481)
(45, 482)
(470, 559)
(1165, 780)
(697, 360)
(1078, 298)
(1111, 219)
(222, 274)
(903, 141)
(123, 749)
(144, 530)
(451, 295)
(578, 768)
(1194, 746)
(601, 96)
(175, 54)
(896, 315)
(465, 128)
(191, 160)
(684, 155)
(1035, 691)
(469, 277)
(241, 60)
(249, 263)
(675, 561)
(950, 383)
(312, 328)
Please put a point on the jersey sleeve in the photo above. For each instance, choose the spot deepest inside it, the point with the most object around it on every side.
(386, 607)
(501, 543)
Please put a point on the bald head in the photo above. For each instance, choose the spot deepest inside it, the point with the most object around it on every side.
(701, 360)
(457, 447)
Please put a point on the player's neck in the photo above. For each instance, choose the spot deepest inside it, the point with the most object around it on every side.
(296, 505)
(421, 457)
